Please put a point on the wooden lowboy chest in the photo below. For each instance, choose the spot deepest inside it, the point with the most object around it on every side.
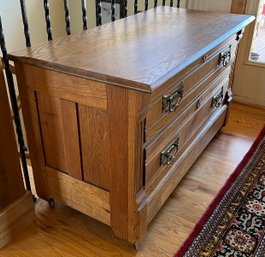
(115, 116)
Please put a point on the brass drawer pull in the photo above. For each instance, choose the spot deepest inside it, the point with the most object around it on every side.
(168, 156)
(205, 58)
(225, 57)
(170, 103)
(218, 99)
(228, 97)
(198, 105)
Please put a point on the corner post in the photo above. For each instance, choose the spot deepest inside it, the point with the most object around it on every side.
(127, 111)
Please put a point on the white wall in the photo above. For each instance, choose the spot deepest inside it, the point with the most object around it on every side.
(13, 28)
(12, 22)
(76, 15)
(11, 17)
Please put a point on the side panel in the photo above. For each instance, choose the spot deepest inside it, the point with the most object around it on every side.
(52, 104)
(69, 116)
(86, 140)
(95, 144)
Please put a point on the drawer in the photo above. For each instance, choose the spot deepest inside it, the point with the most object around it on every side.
(158, 195)
(172, 102)
(165, 150)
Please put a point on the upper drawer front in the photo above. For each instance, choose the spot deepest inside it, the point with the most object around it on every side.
(167, 148)
(181, 92)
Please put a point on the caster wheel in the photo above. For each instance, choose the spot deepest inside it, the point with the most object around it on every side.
(172, 195)
(51, 203)
(136, 247)
(34, 199)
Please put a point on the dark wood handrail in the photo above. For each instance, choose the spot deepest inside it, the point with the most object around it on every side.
(25, 22)
(84, 14)
(15, 108)
(67, 17)
(48, 19)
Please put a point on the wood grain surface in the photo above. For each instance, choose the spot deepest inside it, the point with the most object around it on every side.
(168, 183)
(122, 52)
(11, 182)
(107, 131)
(79, 195)
(65, 232)
(189, 129)
(95, 146)
(193, 84)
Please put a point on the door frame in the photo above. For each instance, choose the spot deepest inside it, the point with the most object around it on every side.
(251, 8)
(247, 7)
(242, 93)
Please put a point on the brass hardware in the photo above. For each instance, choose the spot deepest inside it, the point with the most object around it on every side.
(228, 97)
(239, 35)
(225, 57)
(198, 105)
(205, 58)
(170, 103)
(168, 156)
(218, 99)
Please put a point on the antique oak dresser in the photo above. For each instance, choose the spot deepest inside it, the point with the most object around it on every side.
(115, 116)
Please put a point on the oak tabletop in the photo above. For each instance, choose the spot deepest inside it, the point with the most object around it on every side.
(141, 51)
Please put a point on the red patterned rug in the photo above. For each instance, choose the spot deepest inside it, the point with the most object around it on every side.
(234, 224)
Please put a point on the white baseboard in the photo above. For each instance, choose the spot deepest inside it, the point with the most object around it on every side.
(249, 101)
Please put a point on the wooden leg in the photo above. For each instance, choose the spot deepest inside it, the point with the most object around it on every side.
(128, 212)
(51, 203)
(135, 230)
(172, 194)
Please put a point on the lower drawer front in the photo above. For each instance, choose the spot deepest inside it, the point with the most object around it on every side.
(157, 197)
(166, 150)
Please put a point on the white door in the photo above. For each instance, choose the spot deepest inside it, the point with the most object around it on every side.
(249, 76)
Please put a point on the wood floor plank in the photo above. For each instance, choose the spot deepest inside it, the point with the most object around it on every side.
(65, 232)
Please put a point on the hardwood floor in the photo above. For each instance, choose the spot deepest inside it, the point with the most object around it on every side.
(65, 232)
